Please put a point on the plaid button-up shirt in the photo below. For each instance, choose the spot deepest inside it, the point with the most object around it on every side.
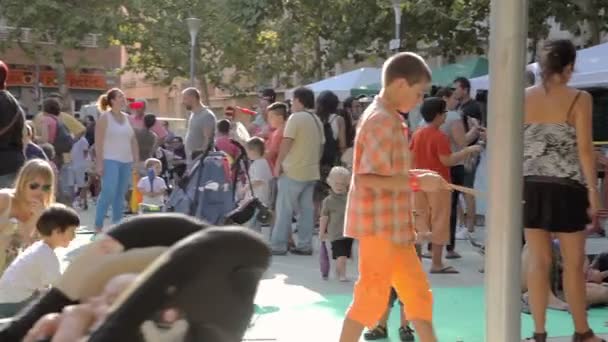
(381, 148)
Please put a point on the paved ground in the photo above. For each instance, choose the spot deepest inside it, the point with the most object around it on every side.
(295, 283)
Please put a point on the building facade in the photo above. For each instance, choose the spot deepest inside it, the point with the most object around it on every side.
(88, 72)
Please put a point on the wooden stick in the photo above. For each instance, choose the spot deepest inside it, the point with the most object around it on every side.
(465, 190)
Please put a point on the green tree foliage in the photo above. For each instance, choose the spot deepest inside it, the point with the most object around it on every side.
(265, 40)
(583, 16)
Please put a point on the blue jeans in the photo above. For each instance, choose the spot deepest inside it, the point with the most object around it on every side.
(293, 195)
(114, 185)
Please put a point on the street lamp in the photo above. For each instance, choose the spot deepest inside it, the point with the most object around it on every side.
(397, 8)
(194, 25)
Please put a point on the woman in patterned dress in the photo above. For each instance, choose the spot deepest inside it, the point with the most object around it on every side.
(20, 208)
(560, 185)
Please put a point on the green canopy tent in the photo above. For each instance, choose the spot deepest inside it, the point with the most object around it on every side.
(442, 76)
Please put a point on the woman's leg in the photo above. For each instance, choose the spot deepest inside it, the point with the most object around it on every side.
(572, 246)
(539, 266)
(109, 183)
(471, 214)
(118, 202)
(596, 294)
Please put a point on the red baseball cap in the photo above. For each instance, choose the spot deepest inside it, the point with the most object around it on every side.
(136, 105)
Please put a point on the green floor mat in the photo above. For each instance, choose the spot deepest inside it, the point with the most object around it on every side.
(458, 316)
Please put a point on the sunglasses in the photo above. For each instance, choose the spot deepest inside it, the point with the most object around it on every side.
(44, 187)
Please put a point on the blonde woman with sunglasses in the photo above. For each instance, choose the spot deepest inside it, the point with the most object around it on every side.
(21, 207)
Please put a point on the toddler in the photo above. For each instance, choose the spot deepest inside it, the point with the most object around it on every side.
(152, 187)
(38, 266)
(332, 219)
(260, 175)
(78, 170)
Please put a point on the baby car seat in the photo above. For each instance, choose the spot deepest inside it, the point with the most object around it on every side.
(211, 277)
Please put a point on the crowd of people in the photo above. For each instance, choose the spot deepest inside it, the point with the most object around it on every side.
(381, 173)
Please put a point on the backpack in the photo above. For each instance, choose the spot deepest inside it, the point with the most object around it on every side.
(331, 149)
(63, 139)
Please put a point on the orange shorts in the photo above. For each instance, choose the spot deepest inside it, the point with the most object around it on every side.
(382, 265)
(432, 213)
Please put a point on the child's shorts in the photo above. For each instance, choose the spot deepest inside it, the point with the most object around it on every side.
(77, 176)
(342, 247)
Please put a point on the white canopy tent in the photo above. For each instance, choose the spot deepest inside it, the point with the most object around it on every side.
(342, 84)
(591, 70)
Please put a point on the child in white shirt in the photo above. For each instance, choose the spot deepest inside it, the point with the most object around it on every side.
(78, 170)
(37, 266)
(154, 189)
(260, 175)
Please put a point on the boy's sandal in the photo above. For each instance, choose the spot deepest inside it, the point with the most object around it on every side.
(584, 336)
(445, 270)
(538, 337)
(378, 333)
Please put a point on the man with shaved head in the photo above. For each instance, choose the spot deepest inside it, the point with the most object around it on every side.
(201, 124)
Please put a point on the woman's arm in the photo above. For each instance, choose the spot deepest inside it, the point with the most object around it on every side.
(100, 136)
(323, 223)
(341, 133)
(584, 140)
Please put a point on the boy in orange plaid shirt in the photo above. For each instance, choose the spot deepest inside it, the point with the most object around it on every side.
(378, 208)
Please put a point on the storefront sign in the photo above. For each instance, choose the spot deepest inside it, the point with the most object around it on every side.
(26, 78)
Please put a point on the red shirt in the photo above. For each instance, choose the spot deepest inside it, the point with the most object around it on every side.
(428, 143)
(272, 146)
(224, 144)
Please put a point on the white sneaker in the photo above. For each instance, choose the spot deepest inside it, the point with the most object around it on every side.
(462, 234)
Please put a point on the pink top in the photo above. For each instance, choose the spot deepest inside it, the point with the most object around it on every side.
(223, 143)
(138, 123)
(51, 126)
(272, 147)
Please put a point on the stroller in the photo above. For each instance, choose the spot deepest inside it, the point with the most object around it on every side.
(208, 190)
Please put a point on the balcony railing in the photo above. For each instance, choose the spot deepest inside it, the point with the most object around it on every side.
(24, 35)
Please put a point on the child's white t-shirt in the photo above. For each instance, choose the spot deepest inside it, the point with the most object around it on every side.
(33, 269)
(259, 170)
(79, 154)
(159, 185)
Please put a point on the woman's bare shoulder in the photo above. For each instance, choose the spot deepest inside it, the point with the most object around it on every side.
(6, 195)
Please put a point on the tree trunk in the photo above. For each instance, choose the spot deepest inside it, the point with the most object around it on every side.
(591, 15)
(595, 34)
(61, 72)
(318, 59)
(533, 49)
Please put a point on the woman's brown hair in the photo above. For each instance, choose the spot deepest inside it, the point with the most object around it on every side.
(104, 103)
(555, 56)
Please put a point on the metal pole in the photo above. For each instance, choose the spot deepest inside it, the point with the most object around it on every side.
(398, 23)
(398, 12)
(192, 48)
(508, 32)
